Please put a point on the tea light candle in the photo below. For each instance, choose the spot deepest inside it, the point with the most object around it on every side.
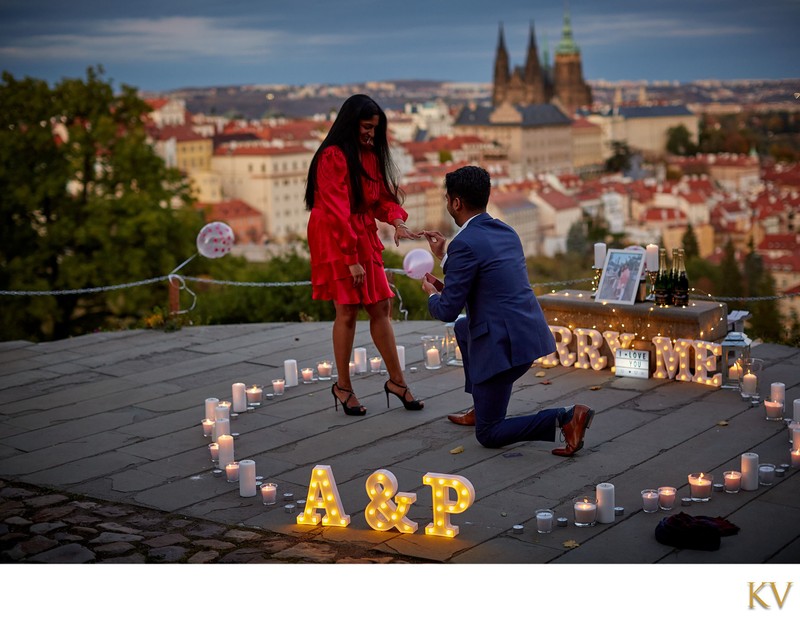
(544, 520)
(278, 387)
(774, 410)
(360, 359)
(254, 395)
(208, 426)
(700, 486)
(225, 443)
(733, 481)
(649, 501)
(735, 371)
(239, 394)
(375, 364)
(666, 497)
(778, 392)
(288, 496)
(211, 405)
(401, 357)
(308, 375)
(600, 255)
(290, 372)
(232, 472)
(214, 450)
(247, 478)
(796, 458)
(749, 383)
(585, 510)
(324, 370)
(432, 357)
(269, 493)
(766, 474)
(749, 471)
(605, 502)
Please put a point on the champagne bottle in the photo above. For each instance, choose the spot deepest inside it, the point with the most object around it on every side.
(680, 296)
(660, 290)
(673, 277)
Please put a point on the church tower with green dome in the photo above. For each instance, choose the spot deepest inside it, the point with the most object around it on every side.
(570, 89)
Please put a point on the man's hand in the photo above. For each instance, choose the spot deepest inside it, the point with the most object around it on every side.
(437, 242)
(430, 284)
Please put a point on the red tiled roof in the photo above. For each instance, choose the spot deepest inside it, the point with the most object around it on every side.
(557, 200)
(228, 209)
(179, 133)
(785, 263)
(227, 150)
(664, 214)
(780, 241)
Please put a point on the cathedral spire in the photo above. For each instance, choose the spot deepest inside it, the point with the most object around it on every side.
(534, 79)
(567, 44)
(502, 70)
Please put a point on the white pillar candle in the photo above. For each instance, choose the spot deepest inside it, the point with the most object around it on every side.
(247, 478)
(225, 450)
(375, 364)
(290, 372)
(432, 357)
(401, 357)
(599, 255)
(651, 258)
(666, 497)
(307, 374)
(324, 370)
(269, 493)
(749, 383)
(585, 510)
(749, 471)
(278, 386)
(239, 397)
(733, 481)
(796, 458)
(352, 368)
(766, 474)
(211, 405)
(208, 428)
(650, 501)
(796, 406)
(544, 520)
(458, 353)
(795, 434)
(214, 450)
(221, 427)
(222, 411)
(700, 486)
(232, 472)
(774, 409)
(605, 502)
(778, 392)
(360, 359)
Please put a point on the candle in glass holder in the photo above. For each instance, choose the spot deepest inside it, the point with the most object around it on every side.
(208, 427)
(749, 384)
(254, 395)
(585, 510)
(238, 391)
(278, 386)
(700, 486)
(432, 358)
(735, 371)
(308, 375)
(375, 364)
(766, 474)
(733, 481)
(544, 520)
(324, 370)
(795, 458)
(774, 410)
(269, 493)
(666, 497)
(360, 359)
(213, 448)
(232, 472)
(749, 471)
(650, 501)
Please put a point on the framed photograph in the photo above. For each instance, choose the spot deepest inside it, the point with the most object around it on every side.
(621, 272)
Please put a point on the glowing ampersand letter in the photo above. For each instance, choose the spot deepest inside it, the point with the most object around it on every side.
(323, 494)
(441, 485)
(382, 514)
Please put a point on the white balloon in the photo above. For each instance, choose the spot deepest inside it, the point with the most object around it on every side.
(417, 262)
(215, 240)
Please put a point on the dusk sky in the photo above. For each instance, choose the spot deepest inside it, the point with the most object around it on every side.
(167, 44)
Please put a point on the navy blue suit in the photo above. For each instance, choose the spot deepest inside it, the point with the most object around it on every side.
(504, 330)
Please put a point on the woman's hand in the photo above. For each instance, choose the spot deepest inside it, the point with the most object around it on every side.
(401, 231)
(358, 273)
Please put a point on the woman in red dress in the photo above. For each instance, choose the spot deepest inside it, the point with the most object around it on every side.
(350, 186)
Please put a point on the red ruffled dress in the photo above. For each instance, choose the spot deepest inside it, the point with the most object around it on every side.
(338, 238)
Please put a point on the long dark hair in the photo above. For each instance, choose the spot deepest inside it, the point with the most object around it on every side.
(344, 134)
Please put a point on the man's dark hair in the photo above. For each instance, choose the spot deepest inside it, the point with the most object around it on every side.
(471, 184)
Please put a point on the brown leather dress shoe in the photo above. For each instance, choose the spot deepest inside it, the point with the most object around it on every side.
(466, 418)
(574, 431)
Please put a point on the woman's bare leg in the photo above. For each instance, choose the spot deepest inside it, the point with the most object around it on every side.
(380, 328)
(344, 333)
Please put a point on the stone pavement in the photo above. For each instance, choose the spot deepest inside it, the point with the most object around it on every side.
(103, 458)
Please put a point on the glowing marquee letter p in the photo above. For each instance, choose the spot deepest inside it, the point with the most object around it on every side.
(443, 506)
(323, 494)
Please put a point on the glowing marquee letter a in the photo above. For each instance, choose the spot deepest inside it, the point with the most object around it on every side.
(323, 494)
(441, 485)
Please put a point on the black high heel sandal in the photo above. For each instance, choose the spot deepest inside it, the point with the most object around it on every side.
(412, 405)
(350, 411)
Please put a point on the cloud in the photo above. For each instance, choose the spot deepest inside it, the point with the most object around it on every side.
(606, 29)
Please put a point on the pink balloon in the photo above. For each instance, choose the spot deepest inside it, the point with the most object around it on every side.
(417, 262)
(215, 240)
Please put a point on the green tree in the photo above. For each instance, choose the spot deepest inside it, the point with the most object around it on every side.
(689, 243)
(577, 242)
(620, 160)
(86, 204)
(679, 141)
